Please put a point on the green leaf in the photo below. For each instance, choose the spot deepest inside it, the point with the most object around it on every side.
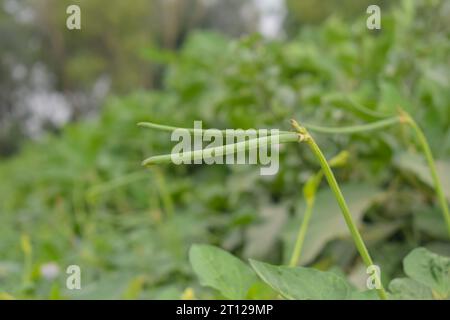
(409, 289)
(222, 271)
(311, 185)
(306, 283)
(430, 270)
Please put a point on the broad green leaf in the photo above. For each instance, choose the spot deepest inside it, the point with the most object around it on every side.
(222, 271)
(341, 159)
(430, 270)
(306, 283)
(327, 222)
(409, 289)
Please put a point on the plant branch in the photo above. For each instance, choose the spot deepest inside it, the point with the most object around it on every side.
(223, 150)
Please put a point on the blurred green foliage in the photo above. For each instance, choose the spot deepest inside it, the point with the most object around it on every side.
(81, 197)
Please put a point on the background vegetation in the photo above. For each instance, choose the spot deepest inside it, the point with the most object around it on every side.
(76, 194)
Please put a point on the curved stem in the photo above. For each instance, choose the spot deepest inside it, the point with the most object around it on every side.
(372, 113)
(309, 193)
(362, 249)
(432, 165)
(357, 128)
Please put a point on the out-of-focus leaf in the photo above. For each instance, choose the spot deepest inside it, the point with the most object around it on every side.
(222, 271)
(364, 295)
(430, 270)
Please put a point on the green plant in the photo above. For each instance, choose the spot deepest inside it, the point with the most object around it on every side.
(405, 118)
(301, 136)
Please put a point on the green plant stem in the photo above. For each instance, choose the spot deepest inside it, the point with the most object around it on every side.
(355, 129)
(362, 249)
(223, 150)
(301, 234)
(404, 117)
(432, 165)
(369, 112)
(344, 208)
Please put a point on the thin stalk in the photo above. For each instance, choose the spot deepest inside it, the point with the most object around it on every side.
(372, 113)
(362, 249)
(28, 260)
(432, 165)
(296, 253)
(357, 128)
(164, 193)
